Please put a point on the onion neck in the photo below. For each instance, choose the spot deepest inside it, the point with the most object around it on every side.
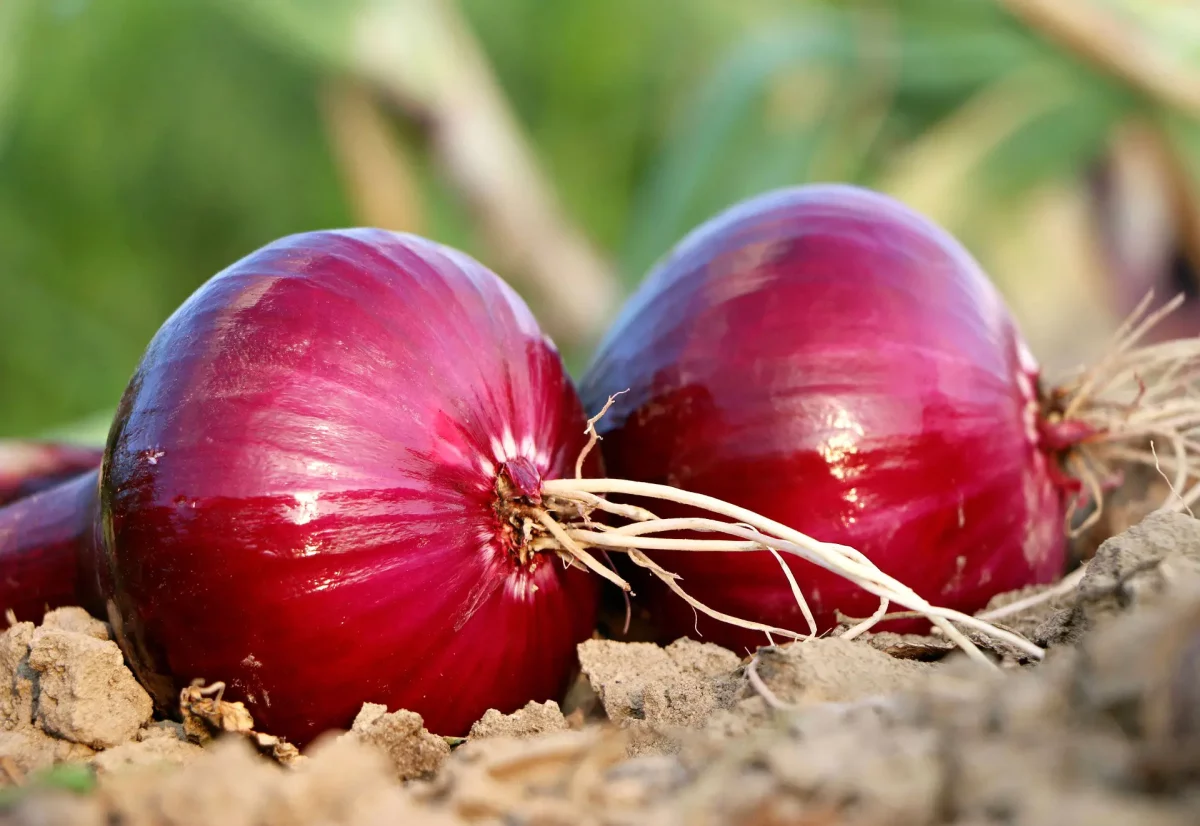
(1060, 436)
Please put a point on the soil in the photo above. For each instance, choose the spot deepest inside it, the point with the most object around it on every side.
(881, 729)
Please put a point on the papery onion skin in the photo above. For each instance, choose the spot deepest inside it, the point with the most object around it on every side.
(299, 496)
(831, 359)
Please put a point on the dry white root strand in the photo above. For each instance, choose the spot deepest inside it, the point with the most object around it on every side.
(761, 688)
(758, 532)
(870, 622)
(579, 496)
(1064, 586)
(633, 536)
(1131, 398)
(669, 579)
(578, 553)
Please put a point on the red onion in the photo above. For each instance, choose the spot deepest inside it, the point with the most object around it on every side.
(27, 467)
(315, 490)
(829, 359)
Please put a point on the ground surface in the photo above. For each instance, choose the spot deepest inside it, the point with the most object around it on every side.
(875, 731)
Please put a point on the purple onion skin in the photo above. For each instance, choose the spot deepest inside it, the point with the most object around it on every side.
(27, 467)
(829, 358)
(299, 495)
(43, 536)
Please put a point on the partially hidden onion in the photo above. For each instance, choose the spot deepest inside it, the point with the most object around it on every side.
(828, 358)
(43, 539)
(27, 467)
(309, 488)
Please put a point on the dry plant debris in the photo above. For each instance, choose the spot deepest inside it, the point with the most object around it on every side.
(206, 714)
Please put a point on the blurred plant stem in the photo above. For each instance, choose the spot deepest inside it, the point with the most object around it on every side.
(425, 57)
(1146, 211)
(1107, 40)
(377, 174)
(14, 16)
(869, 97)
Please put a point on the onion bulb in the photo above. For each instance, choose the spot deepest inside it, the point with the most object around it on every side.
(830, 359)
(308, 491)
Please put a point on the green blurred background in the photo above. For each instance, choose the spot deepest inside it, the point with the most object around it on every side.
(146, 144)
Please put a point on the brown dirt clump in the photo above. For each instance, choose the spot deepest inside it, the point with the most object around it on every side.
(77, 621)
(28, 750)
(829, 673)
(534, 718)
(229, 783)
(400, 735)
(65, 693)
(85, 693)
(154, 751)
(682, 684)
(834, 670)
(1129, 570)
(16, 688)
(824, 732)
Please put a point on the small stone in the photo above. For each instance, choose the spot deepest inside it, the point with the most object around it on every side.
(31, 750)
(16, 678)
(535, 718)
(639, 682)
(167, 729)
(401, 735)
(86, 693)
(155, 751)
(76, 620)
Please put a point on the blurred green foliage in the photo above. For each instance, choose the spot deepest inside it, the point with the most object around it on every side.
(77, 778)
(146, 144)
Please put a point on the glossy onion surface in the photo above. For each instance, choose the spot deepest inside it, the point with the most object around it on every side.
(830, 359)
(299, 496)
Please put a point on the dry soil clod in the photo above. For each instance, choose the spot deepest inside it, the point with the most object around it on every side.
(85, 694)
(535, 718)
(401, 735)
